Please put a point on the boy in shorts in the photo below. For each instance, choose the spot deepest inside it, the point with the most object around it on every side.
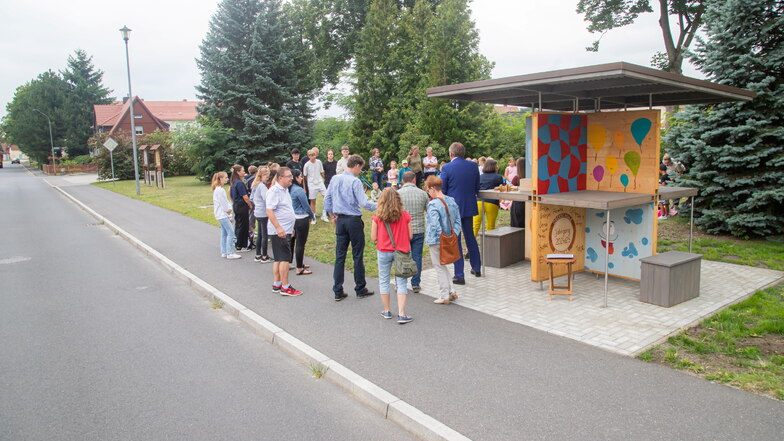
(314, 172)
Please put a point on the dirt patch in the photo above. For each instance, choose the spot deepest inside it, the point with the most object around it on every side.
(771, 344)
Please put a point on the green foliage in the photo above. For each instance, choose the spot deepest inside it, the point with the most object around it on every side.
(401, 52)
(605, 15)
(29, 129)
(255, 81)
(84, 89)
(331, 133)
(212, 150)
(736, 150)
(123, 155)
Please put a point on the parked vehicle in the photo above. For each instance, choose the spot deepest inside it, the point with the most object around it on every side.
(16, 161)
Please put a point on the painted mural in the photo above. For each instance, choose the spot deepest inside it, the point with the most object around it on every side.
(561, 143)
(559, 230)
(629, 237)
(624, 151)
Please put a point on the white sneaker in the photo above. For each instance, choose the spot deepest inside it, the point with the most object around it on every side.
(325, 219)
(234, 256)
(223, 255)
(313, 222)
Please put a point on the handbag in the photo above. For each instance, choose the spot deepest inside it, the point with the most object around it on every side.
(447, 245)
(404, 264)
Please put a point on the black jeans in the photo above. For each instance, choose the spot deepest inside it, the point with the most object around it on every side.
(378, 177)
(517, 214)
(419, 179)
(299, 239)
(241, 223)
(261, 244)
(349, 230)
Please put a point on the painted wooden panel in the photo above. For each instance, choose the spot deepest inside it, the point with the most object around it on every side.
(623, 151)
(630, 237)
(560, 152)
(560, 230)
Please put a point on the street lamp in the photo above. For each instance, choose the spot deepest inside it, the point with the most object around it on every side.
(125, 34)
(51, 141)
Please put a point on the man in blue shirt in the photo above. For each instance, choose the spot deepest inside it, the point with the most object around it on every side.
(345, 196)
(460, 179)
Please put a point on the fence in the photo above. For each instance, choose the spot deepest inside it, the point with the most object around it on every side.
(70, 169)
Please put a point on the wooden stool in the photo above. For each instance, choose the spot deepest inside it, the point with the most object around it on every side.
(561, 290)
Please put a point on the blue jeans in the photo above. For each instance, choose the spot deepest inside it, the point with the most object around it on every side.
(227, 236)
(349, 230)
(417, 244)
(385, 261)
(473, 248)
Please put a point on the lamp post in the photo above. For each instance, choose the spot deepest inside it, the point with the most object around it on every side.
(125, 33)
(51, 141)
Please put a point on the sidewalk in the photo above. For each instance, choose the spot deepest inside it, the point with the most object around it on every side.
(483, 376)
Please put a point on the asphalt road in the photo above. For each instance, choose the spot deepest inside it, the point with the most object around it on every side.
(97, 343)
(485, 377)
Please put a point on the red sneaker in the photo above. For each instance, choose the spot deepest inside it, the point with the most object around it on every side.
(290, 291)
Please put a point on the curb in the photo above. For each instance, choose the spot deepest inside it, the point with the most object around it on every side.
(378, 399)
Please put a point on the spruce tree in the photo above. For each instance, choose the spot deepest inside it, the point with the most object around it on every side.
(84, 90)
(252, 80)
(735, 151)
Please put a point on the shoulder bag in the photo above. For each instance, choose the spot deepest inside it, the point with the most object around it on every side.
(447, 245)
(404, 264)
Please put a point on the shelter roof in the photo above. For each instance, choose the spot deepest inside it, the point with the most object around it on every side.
(604, 86)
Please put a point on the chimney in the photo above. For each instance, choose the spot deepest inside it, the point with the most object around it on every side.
(125, 99)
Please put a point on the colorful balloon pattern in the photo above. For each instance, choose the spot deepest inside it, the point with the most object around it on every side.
(562, 146)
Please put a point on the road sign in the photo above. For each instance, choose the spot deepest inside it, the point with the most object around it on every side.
(110, 144)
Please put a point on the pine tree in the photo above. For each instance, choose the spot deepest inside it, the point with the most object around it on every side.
(252, 80)
(85, 89)
(735, 151)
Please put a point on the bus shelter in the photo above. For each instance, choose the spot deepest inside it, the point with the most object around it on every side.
(592, 159)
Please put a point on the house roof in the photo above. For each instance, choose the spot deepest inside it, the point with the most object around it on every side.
(109, 114)
(112, 114)
(604, 86)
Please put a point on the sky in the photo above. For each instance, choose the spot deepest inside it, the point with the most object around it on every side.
(519, 36)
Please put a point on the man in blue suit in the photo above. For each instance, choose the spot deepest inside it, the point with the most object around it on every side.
(460, 180)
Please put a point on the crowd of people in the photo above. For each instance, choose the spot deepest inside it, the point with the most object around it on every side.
(419, 203)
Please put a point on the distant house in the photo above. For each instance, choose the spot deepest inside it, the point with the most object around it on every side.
(148, 115)
(11, 152)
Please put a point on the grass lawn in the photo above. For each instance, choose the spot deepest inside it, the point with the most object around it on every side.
(742, 345)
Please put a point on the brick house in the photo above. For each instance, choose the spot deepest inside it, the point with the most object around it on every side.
(149, 115)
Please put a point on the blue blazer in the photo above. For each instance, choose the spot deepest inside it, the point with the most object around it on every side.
(461, 181)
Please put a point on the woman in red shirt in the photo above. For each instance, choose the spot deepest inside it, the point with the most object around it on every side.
(390, 211)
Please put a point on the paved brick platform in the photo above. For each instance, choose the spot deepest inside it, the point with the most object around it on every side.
(627, 326)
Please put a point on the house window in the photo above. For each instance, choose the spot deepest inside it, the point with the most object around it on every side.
(139, 130)
(137, 115)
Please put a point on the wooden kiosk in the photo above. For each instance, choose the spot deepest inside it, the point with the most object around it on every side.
(593, 163)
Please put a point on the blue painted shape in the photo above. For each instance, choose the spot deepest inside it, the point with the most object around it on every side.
(644, 241)
(591, 255)
(633, 215)
(640, 129)
(600, 214)
(630, 251)
(544, 134)
(587, 229)
(624, 180)
(611, 265)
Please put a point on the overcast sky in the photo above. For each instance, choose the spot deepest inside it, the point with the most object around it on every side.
(520, 36)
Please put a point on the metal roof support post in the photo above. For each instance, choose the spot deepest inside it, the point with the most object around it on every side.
(599, 104)
(607, 258)
(691, 222)
(540, 101)
(650, 101)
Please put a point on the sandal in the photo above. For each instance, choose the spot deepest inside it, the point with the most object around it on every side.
(441, 301)
(304, 272)
(453, 296)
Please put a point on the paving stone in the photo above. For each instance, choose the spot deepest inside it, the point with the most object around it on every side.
(626, 326)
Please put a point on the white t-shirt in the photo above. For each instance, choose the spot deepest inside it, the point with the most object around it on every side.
(313, 171)
(279, 201)
(220, 203)
(342, 166)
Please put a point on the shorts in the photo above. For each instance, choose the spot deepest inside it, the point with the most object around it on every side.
(315, 189)
(281, 247)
